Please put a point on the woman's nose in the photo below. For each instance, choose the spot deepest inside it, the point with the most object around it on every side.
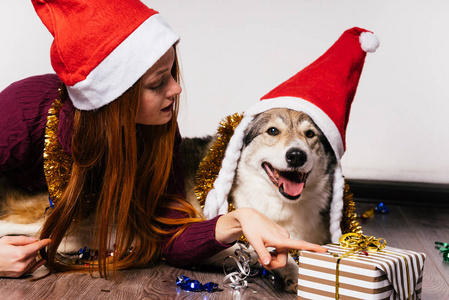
(174, 88)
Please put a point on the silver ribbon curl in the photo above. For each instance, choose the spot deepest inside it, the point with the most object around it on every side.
(235, 278)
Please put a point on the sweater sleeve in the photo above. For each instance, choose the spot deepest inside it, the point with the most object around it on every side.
(197, 241)
(23, 114)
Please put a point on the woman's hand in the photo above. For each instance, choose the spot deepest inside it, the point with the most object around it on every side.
(261, 233)
(18, 255)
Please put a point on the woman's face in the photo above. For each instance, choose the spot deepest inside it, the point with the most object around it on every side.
(158, 91)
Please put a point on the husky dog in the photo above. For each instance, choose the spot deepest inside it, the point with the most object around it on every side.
(285, 171)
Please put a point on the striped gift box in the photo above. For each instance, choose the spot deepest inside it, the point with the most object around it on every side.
(387, 274)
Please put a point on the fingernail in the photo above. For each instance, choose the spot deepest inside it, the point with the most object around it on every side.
(266, 261)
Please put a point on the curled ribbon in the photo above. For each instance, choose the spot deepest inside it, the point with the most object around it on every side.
(356, 242)
(443, 247)
(359, 242)
(235, 277)
(192, 285)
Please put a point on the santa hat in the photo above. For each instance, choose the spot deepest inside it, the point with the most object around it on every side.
(102, 47)
(324, 90)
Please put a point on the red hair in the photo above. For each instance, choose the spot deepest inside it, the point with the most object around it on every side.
(120, 170)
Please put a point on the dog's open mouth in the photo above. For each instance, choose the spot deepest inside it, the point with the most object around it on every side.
(290, 183)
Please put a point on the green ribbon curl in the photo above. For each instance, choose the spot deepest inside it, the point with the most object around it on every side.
(443, 247)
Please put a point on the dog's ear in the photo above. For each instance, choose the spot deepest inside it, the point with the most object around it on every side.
(254, 129)
(327, 146)
(250, 134)
(325, 142)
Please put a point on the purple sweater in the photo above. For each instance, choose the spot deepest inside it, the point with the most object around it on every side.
(24, 108)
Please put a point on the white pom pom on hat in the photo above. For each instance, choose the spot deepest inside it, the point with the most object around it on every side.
(324, 90)
(369, 42)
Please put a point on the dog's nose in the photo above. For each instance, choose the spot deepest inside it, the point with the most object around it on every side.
(295, 157)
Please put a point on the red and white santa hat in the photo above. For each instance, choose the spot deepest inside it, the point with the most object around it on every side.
(325, 91)
(102, 47)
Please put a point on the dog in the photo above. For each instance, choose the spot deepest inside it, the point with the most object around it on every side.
(285, 171)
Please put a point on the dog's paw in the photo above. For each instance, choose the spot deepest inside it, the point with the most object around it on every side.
(288, 275)
(291, 284)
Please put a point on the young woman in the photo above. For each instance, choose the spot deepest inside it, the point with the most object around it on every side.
(111, 109)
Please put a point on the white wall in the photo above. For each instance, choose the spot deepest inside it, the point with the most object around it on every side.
(233, 52)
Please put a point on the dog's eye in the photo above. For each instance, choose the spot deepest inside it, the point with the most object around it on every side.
(272, 131)
(310, 134)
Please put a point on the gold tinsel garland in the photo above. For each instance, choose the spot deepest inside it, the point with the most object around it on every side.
(349, 223)
(211, 164)
(57, 164)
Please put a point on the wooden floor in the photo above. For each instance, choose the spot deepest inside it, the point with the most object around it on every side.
(414, 228)
(154, 283)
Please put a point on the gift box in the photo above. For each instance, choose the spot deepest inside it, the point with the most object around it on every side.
(340, 273)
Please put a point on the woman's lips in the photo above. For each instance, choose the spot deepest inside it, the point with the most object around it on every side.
(168, 108)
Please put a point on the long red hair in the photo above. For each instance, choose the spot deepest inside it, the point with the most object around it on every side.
(120, 170)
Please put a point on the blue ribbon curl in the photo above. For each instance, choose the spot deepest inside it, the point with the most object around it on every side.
(191, 285)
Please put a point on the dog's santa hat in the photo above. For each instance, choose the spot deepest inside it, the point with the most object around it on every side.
(102, 47)
(324, 90)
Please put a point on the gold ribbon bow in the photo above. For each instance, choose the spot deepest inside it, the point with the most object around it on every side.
(359, 242)
(356, 242)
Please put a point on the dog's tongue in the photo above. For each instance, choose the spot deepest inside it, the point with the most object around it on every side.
(291, 185)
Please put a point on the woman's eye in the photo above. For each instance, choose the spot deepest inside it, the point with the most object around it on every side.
(157, 85)
(310, 134)
(272, 131)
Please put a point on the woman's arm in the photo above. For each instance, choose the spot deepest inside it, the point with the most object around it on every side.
(204, 239)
